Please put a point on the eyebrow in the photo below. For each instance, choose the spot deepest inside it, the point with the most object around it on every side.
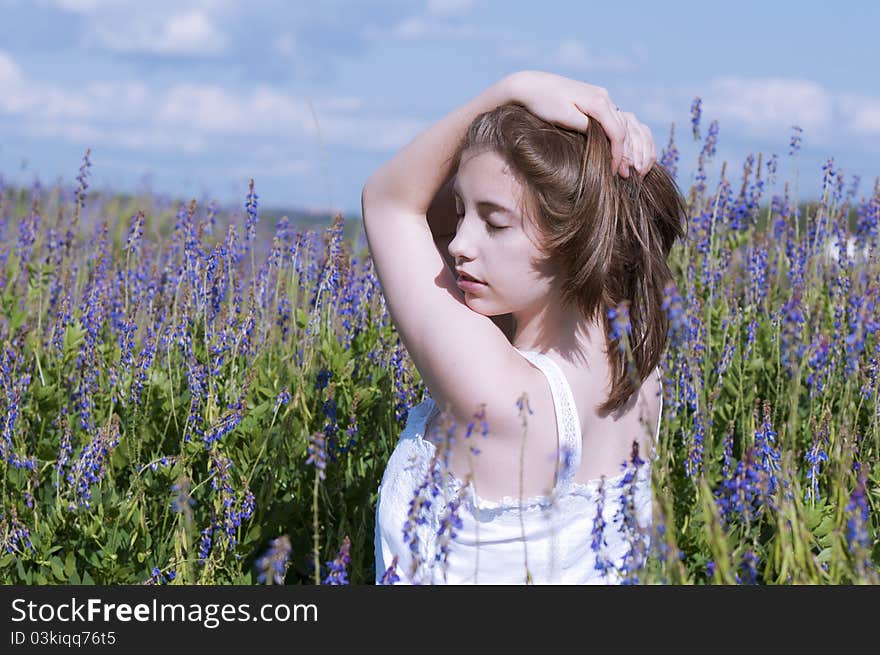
(486, 206)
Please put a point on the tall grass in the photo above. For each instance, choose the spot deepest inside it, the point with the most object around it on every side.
(190, 398)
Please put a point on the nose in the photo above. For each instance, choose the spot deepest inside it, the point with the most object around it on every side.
(461, 246)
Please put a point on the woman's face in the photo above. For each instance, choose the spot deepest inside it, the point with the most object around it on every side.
(494, 242)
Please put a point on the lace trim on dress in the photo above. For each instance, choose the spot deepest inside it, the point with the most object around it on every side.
(570, 435)
(567, 418)
(489, 508)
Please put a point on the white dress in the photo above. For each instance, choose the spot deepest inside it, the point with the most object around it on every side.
(552, 539)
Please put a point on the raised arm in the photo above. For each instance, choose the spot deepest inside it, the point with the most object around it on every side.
(410, 180)
(413, 176)
(457, 350)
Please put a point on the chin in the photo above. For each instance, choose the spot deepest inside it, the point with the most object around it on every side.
(479, 307)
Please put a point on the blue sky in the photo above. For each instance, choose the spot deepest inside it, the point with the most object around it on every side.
(193, 98)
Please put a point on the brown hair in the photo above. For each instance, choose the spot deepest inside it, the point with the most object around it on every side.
(609, 236)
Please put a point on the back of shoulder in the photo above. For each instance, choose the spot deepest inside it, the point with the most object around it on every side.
(496, 401)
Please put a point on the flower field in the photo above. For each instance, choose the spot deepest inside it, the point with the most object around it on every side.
(190, 396)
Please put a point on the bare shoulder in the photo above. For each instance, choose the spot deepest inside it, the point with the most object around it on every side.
(465, 360)
(651, 400)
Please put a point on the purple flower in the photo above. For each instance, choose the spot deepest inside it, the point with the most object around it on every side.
(15, 533)
(159, 578)
(748, 568)
(634, 558)
(223, 426)
(273, 564)
(857, 524)
(338, 572)
(282, 399)
(599, 543)
(235, 510)
(450, 521)
(390, 576)
(696, 112)
(317, 453)
(669, 157)
(620, 324)
(83, 185)
(250, 205)
(814, 457)
(205, 544)
(768, 461)
(795, 144)
(740, 493)
(89, 468)
(324, 376)
(772, 164)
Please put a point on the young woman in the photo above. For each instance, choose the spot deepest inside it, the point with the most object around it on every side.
(521, 246)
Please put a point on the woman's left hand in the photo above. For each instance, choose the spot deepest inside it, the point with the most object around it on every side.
(570, 104)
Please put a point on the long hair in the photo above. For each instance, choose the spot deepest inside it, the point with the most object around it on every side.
(610, 236)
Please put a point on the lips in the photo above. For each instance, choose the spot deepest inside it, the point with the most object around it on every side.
(462, 275)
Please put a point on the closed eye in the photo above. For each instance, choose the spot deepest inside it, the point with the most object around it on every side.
(489, 226)
(484, 207)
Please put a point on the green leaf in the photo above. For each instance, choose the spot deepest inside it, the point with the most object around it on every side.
(13, 265)
(74, 334)
(824, 527)
(57, 568)
(87, 579)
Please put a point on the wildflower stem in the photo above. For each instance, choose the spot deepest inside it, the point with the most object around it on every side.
(524, 399)
(316, 528)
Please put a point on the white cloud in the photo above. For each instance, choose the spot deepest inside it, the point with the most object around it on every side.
(140, 138)
(189, 33)
(574, 54)
(88, 6)
(189, 117)
(766, 105)
(10, 74)
(860, 113)
(448, 7)
(568, 54)
(660, 109)
(765, 109)
(367, 133)
(285, 45)
(418, 27)
(279, 166)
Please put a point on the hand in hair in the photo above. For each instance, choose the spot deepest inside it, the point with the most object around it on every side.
(570, 104)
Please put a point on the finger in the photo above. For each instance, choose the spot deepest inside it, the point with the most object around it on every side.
(642, 154)
(642, 158)
(632, 143)
(610, 120)
(579, 119)
(628, 156)
(650, 151)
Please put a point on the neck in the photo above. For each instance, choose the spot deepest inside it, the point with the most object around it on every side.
(550, 328)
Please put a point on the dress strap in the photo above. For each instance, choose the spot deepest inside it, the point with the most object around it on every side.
(568, 426)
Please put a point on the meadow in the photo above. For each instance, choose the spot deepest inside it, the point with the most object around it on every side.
(194, 396)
